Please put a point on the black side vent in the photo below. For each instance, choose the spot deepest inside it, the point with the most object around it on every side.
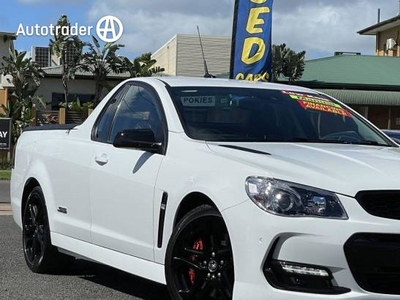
(163, 208)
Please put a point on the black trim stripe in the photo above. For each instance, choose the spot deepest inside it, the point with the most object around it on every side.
(51, 127)
(245, 149)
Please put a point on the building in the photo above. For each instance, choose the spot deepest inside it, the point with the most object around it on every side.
(182, 55)
(6, 44)
(42, 56)
(387, 35)
(51, 89)
(70, 54)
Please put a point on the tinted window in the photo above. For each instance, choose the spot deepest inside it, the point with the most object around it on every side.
(103, 125)
(237, 114)
(137, 109)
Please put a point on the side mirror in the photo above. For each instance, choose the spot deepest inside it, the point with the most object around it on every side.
(142, 139)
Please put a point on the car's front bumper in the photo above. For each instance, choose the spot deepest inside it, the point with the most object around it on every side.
(255, 234)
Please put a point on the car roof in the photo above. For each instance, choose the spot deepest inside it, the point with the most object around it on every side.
(179, 81)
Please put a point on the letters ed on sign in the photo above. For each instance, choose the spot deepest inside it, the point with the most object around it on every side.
(252, 54)
(254, 23)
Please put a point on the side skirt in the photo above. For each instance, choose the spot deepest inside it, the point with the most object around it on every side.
(130, 264)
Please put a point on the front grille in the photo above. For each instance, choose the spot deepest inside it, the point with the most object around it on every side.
(374, 261)
(385, 204)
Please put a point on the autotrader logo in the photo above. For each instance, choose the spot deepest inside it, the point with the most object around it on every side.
(109, 29)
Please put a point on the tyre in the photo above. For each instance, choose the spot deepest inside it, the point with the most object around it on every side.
(199, 259)
(40, 255)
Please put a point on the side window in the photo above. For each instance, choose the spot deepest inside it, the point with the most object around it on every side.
(137, 109)
(101, 131)
(103, 127)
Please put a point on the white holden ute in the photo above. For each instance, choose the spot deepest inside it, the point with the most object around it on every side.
(219, 189)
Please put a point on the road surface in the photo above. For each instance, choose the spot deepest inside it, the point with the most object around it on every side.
(86, 280)
(4, 191)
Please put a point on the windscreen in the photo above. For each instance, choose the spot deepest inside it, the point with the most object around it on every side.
(261, 115)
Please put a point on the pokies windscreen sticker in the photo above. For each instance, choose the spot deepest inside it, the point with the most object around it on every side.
(314, 102)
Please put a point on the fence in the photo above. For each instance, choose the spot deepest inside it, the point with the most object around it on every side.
(61, 116)
(45, 117)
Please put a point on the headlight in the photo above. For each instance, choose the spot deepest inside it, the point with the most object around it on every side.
(291, 199)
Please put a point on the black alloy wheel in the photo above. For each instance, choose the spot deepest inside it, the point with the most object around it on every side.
(40, 255)
(199, 259)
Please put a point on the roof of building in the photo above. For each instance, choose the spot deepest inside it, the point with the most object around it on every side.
(356, 79)
(56, 71)
(356, 71)
(381, 26)
(363, 97)
(6, 35)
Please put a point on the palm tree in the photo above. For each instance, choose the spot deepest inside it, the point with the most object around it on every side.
(142, 66)
(25, 76)
(61, 46)
(101, 62)
(287, 63)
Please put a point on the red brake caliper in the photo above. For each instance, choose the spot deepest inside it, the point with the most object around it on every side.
(198, 245)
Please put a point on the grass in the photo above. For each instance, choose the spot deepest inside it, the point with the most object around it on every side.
(5, 174)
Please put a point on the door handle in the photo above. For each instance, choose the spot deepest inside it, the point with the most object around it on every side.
(101, 159)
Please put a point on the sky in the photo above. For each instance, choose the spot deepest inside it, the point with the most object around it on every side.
(320, 27)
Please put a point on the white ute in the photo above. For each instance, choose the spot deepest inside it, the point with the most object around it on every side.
(220, 189)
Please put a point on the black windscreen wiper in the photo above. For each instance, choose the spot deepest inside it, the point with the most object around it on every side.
(372, 143)
(363, 142)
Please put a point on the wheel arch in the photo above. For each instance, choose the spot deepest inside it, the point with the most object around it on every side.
(190, 202)
(30, 184)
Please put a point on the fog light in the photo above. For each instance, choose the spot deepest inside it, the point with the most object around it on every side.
(302, 270)
(299, 277)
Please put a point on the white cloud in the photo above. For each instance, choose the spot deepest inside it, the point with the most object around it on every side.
(326, 28)
(157, 7)
(147, 29)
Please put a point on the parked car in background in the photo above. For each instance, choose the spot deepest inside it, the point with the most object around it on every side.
(393, 134)
(219, 189)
